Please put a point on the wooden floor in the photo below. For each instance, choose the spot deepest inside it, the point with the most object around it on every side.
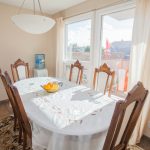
(5, 110)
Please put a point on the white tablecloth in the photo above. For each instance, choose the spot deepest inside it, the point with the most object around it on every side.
(75, 116)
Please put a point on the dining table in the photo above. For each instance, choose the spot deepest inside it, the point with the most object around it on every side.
(73, 118)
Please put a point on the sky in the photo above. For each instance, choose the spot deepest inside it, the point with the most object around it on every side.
(80, 33)
(113, 30)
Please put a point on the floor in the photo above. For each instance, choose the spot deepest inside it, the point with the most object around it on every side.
(145, 143)
(5, 110)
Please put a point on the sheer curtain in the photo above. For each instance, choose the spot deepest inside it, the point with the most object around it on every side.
(60, 47)
(140, 60)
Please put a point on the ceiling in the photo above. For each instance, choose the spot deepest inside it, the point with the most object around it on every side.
(48, 6)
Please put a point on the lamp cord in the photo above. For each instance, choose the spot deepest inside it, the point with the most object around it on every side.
(21, 6)
(40, 7)
(33, 7)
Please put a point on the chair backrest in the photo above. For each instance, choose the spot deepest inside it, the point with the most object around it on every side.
(135, 98)
(5, 83)
(79, 73)
(23, 116)
(7, 77)
(20, 70)
(107, 82)
(3, 80)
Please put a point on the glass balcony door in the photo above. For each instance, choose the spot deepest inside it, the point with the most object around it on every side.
(115, 41)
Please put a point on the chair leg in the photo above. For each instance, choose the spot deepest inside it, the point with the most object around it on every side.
(20, 134)
(30, 143)
(24, 140)
(15, 123)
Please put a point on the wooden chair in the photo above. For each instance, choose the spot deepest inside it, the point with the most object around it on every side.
(5, 83)
(20, 70)
(80, 68)
(26, 127)
(8, 79)
(116, 139)
(104, 69)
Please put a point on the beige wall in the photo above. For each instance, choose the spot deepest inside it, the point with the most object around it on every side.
(15, 44)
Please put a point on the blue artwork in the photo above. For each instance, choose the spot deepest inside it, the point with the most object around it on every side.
(39, 61)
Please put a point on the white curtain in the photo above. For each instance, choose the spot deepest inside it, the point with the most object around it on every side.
(60, 47)
(140, 61)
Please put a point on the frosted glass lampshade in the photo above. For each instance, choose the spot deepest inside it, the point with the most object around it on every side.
(34, 24)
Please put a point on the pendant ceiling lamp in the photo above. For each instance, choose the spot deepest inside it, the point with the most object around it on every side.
(32, 23)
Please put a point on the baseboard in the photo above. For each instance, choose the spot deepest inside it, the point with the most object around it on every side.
(4, 101)
(146, 135)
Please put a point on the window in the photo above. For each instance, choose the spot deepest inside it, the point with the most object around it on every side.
(78, 40)
(105, 39)
(78, 35)
(116, 35)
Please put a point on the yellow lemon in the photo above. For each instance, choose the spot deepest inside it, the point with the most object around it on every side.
(51, 87)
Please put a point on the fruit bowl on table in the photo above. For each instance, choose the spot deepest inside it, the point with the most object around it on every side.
(51, 87)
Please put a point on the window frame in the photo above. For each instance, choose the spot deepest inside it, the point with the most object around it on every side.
(76, 19)
(98, 25)
(96, 35)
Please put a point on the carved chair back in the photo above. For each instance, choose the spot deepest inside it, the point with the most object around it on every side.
(80, 68)
(119, 132)
(20, 70)
(109, 78)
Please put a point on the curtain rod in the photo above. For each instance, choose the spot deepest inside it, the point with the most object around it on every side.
(92, 10)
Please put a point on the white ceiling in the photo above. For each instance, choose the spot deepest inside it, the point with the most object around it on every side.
(48, 6)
